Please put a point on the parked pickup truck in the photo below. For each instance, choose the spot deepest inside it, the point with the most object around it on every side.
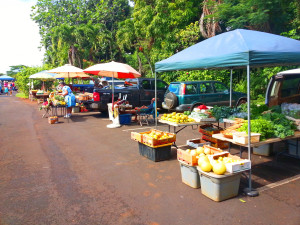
(284, 87)
(139, 92)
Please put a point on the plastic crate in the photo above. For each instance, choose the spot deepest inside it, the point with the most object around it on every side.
(189, 175)
(125, 119)
(156, 154)
(219, 187)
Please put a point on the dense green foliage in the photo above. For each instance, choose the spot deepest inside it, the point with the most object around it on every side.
(146, 31)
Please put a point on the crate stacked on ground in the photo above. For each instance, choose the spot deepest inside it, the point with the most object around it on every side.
(217, 172)
(207, 131)
(154, 144)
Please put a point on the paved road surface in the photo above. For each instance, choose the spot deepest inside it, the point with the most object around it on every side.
(84, 173)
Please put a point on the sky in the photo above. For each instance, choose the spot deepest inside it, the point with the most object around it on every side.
(19, 35)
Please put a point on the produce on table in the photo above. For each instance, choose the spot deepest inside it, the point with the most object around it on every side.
(177, 118)
(292, 110)
(228, 132)
(270, 125)
(198, 115)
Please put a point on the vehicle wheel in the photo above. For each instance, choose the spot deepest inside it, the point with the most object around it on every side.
(171, 100)
(242, 101)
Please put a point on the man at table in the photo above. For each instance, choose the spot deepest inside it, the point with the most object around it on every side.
(69, 98)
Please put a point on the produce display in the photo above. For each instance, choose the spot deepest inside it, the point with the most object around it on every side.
(56, 99)
(178, 118)
(201, 116)
(190, 156)
(228, 132)
(213, 159)
(154, 137)
(269, 122)
(270, 125)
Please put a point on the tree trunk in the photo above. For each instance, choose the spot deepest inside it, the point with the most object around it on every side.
(140, 62)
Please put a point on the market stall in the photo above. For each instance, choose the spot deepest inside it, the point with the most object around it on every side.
(114, 70)
(41, 94)
(236, 49)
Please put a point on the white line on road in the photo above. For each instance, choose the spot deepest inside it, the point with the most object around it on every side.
(142, 128)
(279, 183)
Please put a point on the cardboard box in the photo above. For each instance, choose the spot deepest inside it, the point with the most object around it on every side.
(234, 167)
(242, 137)
(194, 143)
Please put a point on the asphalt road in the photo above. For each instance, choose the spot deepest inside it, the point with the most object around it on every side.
(80, 172)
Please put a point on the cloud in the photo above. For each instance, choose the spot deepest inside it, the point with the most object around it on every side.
(19, 38)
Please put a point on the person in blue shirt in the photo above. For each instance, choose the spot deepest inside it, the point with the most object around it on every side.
(69, 98)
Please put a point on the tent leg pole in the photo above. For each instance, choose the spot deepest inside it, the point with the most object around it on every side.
(155, 89)
(249, 191)
(230, 98)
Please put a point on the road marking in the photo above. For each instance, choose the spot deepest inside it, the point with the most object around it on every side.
(279, 183)
(142, 128)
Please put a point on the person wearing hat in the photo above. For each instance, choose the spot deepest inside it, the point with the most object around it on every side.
(69, 98)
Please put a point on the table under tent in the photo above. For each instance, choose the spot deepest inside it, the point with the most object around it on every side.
(236, 49)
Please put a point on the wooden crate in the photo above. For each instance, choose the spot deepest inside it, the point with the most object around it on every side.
(202, 129)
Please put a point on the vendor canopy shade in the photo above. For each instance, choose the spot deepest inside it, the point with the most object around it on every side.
(5, 77)
(235, 49)
(68, 71)
(113, 69)
(43, 75)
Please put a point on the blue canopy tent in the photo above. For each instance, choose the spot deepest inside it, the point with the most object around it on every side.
(236, 49)
(6, 78)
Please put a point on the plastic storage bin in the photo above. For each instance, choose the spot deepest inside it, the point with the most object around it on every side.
(159, 153)
(219, 187)
(294, 147)
(125, 119)
(265, 150)
(189, 175)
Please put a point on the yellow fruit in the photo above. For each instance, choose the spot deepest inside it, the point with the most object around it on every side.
(202, 159)
(219, 168)
(207, 151)
(206, 166)
(188, 150)
(200, 150)
(193, 152)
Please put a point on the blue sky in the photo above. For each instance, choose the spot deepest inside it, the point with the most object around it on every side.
(19, 35)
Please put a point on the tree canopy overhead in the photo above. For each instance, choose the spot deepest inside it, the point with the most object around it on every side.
(142, 32)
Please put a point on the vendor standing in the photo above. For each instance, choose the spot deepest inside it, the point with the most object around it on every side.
(69, 98)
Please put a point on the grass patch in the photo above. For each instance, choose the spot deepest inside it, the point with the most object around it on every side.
(21, 95)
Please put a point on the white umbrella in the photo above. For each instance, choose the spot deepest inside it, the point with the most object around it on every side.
(69, 71)
(43, 75)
